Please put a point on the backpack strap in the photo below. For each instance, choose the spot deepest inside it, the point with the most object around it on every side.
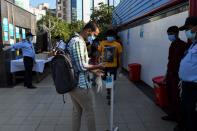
(64, 99)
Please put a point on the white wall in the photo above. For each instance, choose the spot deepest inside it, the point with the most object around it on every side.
(151, 51)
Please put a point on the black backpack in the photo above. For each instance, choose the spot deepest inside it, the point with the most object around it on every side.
(64, 76)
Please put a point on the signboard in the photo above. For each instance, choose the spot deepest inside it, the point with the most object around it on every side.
(23, 34)
(5, 24)
(142, 31)
(5, 36)
(11, 30)
(5, 29)
(17, 33)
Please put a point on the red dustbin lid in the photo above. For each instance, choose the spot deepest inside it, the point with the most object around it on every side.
(134, 64)
(158, 79)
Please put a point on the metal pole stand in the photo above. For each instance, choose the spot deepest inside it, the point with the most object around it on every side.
(112, 127)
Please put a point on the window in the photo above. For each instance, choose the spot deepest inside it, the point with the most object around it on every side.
(59, 8)
(59, 15)
(64, 17)
(59, 1)
(64, 3)
(64, 10)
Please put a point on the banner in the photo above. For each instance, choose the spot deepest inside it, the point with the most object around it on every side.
(17, 33)
(11, 30)
(5, 29)
(5, 38)
(23, 34)
(5, 24)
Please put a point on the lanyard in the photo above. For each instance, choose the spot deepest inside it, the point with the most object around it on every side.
(193, 45)
(190, 48)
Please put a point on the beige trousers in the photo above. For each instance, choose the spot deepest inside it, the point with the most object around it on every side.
(83, 103)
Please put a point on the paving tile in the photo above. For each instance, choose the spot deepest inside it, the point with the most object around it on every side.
(63, 128)
(9, 127)
(46, 128)
(32, 120)
(27, 128)
(15, 120)
(49, 120)
(42, 109)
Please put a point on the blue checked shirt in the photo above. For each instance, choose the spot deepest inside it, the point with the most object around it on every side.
(79, 55)
(188, 65)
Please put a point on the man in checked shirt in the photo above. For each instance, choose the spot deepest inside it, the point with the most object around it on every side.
(82, 96)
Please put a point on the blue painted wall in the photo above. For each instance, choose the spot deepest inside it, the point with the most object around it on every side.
(128, 10)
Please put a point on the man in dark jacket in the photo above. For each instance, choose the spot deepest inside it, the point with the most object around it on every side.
(176, 53)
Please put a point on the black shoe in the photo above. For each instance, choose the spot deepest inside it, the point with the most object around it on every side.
(32, 87)
(109, 103)
(168, 118)
(179, 128)
(108, 97)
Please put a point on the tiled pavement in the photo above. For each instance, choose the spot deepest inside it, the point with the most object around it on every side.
(43, 110)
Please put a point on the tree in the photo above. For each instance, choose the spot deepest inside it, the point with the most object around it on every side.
(56, 27)
(76, 26)
(47, 25)
(103, 16)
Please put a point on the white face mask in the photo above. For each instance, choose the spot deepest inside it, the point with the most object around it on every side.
(91, 39)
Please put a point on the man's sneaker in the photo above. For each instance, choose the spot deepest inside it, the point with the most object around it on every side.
(179, 128)
(32, 87)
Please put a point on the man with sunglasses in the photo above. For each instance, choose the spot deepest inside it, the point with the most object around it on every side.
(188, 76)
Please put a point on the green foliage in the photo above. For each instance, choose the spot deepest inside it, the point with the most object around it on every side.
(103, 16)
(62, 30)
(57, 27)
(76, 26)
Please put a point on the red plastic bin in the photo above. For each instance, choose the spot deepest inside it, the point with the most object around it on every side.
(160, 91)
(134, 72)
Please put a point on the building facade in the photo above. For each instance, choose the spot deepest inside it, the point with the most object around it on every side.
(63, 10)
(79, 10)
(143, 31)
(40, 10)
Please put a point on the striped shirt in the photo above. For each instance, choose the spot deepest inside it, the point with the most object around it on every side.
(79, 55)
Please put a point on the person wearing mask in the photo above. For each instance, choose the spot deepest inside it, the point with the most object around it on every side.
(60, 43)
(110, 51)
(28, 57)
(94, 53)
(188, 76)
(82, 96)
(176, 53)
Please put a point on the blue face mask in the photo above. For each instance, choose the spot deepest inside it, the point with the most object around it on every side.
(91, 39)
(110, 38)
(190, 35)
(172, 38)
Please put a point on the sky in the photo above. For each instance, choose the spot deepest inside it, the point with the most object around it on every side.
(52, 3)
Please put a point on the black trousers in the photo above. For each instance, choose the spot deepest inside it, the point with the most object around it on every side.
(173, 95)
(188, 104)
(28, 64)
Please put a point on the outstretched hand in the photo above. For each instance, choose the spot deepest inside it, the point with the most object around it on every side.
(98, 72)
(101, 66)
